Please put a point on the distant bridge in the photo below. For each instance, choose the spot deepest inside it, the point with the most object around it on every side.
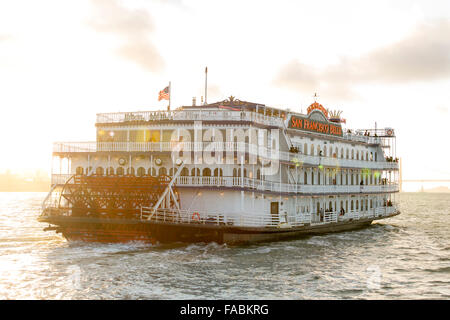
(425, 180)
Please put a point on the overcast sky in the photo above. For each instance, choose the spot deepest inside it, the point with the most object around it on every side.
(61, 62)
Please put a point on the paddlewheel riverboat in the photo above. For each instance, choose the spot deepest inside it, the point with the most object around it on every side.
(228, 172)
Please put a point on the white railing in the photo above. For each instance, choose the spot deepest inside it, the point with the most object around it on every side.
(196, 115)
(260, 220)
(226, 147)
(264, 185)
(225, 115)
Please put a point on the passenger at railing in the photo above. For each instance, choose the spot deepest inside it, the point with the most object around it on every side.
(342, 212)
(361, 183)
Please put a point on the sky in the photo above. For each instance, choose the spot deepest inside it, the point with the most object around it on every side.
(61, 62)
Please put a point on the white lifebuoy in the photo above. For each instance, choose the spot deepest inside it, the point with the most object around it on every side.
(122, 161)
(390, 132)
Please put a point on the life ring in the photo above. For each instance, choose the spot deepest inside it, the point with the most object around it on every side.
(122, 161)
(389, 132)
(196, 214)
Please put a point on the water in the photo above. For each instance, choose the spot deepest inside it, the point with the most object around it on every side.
(405, 257)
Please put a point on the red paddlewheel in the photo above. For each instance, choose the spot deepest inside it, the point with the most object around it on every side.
(112, 196)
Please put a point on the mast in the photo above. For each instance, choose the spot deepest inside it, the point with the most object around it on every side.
(170, 95)
(206, 85)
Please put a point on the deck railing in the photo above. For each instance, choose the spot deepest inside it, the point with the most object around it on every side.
(225, 147)
(263, 185)
(196, 115)
(224, 115)
(266, 220)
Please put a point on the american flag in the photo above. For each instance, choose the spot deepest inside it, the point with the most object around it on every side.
(164, 94)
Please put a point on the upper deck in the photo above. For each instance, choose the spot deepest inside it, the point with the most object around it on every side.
(225, 116)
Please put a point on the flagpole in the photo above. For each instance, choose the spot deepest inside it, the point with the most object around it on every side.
(206, 85)
(170, 94)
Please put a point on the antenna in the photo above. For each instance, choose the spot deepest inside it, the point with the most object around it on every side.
(206, 84)
(315, 96)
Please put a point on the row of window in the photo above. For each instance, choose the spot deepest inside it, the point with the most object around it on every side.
(141, 171)
(347, 153)
(341, 179)
(311, 178)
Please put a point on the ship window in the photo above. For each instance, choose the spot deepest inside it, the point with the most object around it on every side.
(218, 172)
(312, 149)
(120, 171)
(348, 153)
(371, 203)
(342, 153)
(312, 177)
(318, 177)
(110, 171)
(152, 172)
(375, 156)
(351, 205)
(305, 181)
(325, 151)
(153, 136)
(357, 205)
(234, 172)
(207, 172)
(330, 206)
(353, 156)
(305, 149)
(172, 171)
(258, 174)
(167, 135)
(184, 172)
(357, 155)
(140, 172)
(130, 171)
(195, 172)
(162, 171)
(99, 171)
(137, 135)
(79, 170)
(318, 151)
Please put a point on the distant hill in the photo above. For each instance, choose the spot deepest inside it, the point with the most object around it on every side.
(437, 190)
(17, 183)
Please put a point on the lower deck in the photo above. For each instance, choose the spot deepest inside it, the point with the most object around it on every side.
(165, 226)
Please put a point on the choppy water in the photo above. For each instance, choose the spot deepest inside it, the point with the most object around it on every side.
(405, 257)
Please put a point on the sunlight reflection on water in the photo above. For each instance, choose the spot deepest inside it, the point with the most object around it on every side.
(405, 257)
